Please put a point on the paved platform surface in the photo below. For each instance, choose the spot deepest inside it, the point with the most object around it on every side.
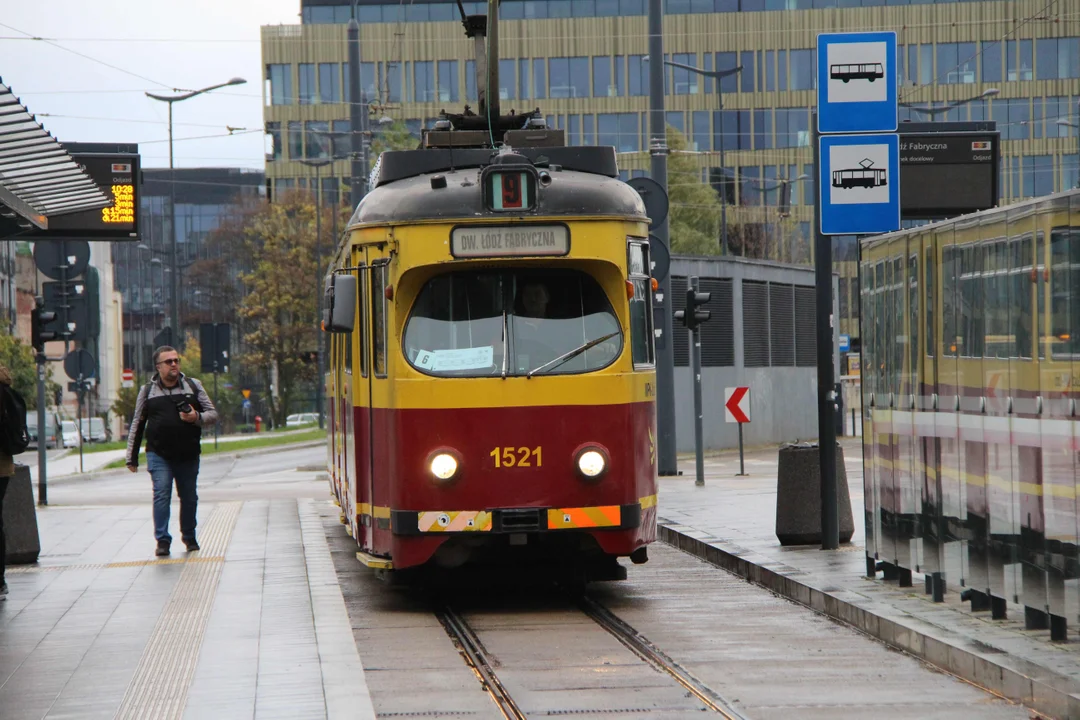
(731, 522)
(253, 625)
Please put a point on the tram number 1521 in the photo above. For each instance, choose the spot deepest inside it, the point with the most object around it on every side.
(508, 457)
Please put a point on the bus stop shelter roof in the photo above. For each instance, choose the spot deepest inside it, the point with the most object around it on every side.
(38, 178)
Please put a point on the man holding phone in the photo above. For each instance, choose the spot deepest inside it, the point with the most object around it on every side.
(172, 409)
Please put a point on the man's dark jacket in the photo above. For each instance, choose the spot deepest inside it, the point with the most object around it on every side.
(157, 414)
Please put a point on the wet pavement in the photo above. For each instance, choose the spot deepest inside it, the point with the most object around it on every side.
(731, 521)
(252, 625)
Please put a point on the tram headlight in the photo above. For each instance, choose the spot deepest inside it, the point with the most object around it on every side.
(591, 462)
(444, 466)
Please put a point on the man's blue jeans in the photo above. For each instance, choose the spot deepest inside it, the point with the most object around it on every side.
(163, 473)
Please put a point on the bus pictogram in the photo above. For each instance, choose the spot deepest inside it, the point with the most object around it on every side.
(858, 71)
(864, 177)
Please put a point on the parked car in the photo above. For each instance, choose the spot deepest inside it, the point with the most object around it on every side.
(300, 419)
(70, 433)
(93, 430)
(52, 432)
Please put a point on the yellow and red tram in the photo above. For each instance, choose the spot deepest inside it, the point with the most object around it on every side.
(491, 373)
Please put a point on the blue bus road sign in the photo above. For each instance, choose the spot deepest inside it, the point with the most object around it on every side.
(857, 89)
(860, 184)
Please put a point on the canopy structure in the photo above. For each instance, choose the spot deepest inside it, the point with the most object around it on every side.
(38, 178)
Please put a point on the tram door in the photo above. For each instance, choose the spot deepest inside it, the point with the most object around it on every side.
(380, 400)
(344, 430)
(360, 408)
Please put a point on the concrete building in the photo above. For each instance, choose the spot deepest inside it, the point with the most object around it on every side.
(760, 335)
(583, 62)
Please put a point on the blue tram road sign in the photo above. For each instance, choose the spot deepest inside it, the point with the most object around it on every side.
(860, 184)
(857, 89)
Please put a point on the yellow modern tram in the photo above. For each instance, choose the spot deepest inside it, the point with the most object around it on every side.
(971, 347)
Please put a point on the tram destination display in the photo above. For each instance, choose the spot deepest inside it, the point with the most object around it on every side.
(509, 240)
(118, 175)
(948, 174)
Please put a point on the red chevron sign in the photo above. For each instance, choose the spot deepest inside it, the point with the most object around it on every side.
(737, 404)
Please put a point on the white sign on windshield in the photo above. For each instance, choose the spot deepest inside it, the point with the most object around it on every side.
(504, 241)
(449, 360)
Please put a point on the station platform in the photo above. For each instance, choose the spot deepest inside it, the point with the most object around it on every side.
(253, 625)
(730, 522)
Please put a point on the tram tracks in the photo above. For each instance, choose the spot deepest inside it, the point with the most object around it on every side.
(478, 658)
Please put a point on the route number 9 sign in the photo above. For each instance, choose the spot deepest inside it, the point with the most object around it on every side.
(510, 190)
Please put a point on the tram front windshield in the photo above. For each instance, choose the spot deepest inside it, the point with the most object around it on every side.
(514, 322)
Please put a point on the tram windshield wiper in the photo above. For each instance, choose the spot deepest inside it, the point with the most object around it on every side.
(551, 364)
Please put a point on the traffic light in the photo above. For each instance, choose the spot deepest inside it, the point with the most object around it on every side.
(38, 321)
(692, 316)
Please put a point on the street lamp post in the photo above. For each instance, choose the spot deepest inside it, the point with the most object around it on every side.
(933, 112)
(317, 164)
(171, 100)
(717, 76)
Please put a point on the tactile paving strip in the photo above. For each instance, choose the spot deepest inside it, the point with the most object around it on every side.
(105, 566)
(158, 690)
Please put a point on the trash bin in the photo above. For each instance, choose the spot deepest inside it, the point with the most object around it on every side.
(798, 496)
(20, 520)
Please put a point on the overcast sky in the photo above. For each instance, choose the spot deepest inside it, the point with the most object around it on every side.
(153, 45)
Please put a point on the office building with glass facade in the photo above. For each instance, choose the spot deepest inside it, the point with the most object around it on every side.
(205, 197)
(584, 64)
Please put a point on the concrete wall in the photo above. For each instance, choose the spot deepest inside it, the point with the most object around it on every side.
(783, 399)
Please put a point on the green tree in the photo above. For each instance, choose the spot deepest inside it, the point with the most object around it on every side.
(18, 358)
(124, 405)
(695, 206)
(279, 310)
(392, 136)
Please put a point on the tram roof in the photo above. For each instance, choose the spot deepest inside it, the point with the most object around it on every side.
(574, 189)
(1069, 198)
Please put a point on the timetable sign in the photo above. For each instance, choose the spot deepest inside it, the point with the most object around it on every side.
(857, 87)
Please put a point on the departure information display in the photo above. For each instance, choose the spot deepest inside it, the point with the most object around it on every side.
(118, 175)
(948, 174)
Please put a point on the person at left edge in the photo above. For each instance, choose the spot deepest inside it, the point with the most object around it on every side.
(172, 409)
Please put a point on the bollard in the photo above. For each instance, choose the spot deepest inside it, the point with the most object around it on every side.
(798, 496)
(23, 545)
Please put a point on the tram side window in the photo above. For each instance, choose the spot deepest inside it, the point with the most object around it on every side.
(482, 324)
(970, 301)
(1065, 292)
(997, 306)
(913, 315)
(362, 321)
(641, 343)
(1020, 296)
(931, 338)
(378, 319)
(951, 338)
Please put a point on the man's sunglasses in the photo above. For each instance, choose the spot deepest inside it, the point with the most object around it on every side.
(170, 361)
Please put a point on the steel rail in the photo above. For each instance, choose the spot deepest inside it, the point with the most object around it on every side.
(652, 655)
(476, 657)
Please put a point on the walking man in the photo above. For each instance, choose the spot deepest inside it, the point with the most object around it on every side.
(172, 409)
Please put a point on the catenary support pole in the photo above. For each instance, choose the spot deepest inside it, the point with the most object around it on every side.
(357, 116)
(667, 463)
(695, 360)
(830, 526)
(42, 430)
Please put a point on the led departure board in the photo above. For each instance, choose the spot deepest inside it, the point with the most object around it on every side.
(118, 175)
